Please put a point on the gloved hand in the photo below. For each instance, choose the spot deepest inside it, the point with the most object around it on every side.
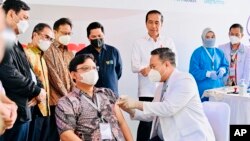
(126, 102)
(212, 75)
(221, 72)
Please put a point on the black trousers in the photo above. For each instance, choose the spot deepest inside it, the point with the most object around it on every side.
(39, 126)
(144, 128)
(53, 133)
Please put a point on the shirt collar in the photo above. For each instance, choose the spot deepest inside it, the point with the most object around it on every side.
(147, 37)
(104, 47)
(58, 45)
(35, 49)
(79, 92)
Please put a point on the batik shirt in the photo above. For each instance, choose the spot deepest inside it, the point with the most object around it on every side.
(74, 112)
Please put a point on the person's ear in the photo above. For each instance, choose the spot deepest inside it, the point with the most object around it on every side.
(73, 75)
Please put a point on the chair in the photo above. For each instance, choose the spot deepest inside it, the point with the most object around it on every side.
(218, 114)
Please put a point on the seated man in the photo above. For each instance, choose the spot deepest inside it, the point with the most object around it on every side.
(89, 113)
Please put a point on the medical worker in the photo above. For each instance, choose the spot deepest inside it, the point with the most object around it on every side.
(208, 64)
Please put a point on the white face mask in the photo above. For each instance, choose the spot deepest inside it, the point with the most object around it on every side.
(43, 44)
(89, 77)
(65, 39)
(22, 26)
(154, 75)
(234, 39)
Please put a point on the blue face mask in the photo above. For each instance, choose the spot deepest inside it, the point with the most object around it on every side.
(209, 42)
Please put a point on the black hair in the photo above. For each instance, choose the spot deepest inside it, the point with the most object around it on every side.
(94, 25)
(79, 59)
(165, 54)
(62, 21)
(236, 25)
(15, 5)
(154, 12)
(39, 27)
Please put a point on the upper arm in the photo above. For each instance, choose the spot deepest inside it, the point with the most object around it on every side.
(65, 115)
(136, 58)
(123, 124)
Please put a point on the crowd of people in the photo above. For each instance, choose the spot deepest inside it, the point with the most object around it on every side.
(49, 94)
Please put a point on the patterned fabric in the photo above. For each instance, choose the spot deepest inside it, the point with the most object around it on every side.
(233, 65)
(57, 58)
(38, 64)
(73, 112)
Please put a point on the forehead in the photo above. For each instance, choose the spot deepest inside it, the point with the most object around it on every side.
(24, 13)
(96, 31)
(47, 31)
(154, 59)
(235, 30)
(154, 17)
(210, 33)
(64, 27)
(87, 62)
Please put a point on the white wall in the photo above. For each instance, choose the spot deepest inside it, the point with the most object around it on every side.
(124, 21)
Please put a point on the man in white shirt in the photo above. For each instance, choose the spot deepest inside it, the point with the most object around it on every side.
(238, 56)
(176, 110)
(140, 60)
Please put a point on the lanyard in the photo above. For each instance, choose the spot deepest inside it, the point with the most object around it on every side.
(210, 57)
(96, 106)
(234, 55)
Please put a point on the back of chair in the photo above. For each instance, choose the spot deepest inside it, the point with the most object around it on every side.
(218, 114)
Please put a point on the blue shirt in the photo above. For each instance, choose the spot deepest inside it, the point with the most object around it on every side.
(110, 65)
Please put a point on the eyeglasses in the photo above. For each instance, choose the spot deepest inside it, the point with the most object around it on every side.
(47, 37)
(88, 68)
(66, 33)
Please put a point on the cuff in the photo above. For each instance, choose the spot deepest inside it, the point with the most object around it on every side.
(36, 91)
(222, 70)
(208, 73)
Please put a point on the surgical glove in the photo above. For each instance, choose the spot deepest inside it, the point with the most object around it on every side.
(221, 72)
(212, 75)
(126, 102)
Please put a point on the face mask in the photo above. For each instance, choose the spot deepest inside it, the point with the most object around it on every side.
(65, 39)
(99, 42)
(9, 38)
(234, 40)
(89, 77)
(154, 75)
(22, 26)
(44, 45)
(209, 42)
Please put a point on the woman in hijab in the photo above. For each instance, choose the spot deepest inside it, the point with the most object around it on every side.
(208, 64)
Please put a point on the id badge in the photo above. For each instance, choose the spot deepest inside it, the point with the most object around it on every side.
(232, 71)
(105, 129)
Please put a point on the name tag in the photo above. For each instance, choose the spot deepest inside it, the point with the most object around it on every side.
(105, 130)
(231, 71)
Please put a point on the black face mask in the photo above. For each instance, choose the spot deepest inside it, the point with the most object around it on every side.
(99, 42)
